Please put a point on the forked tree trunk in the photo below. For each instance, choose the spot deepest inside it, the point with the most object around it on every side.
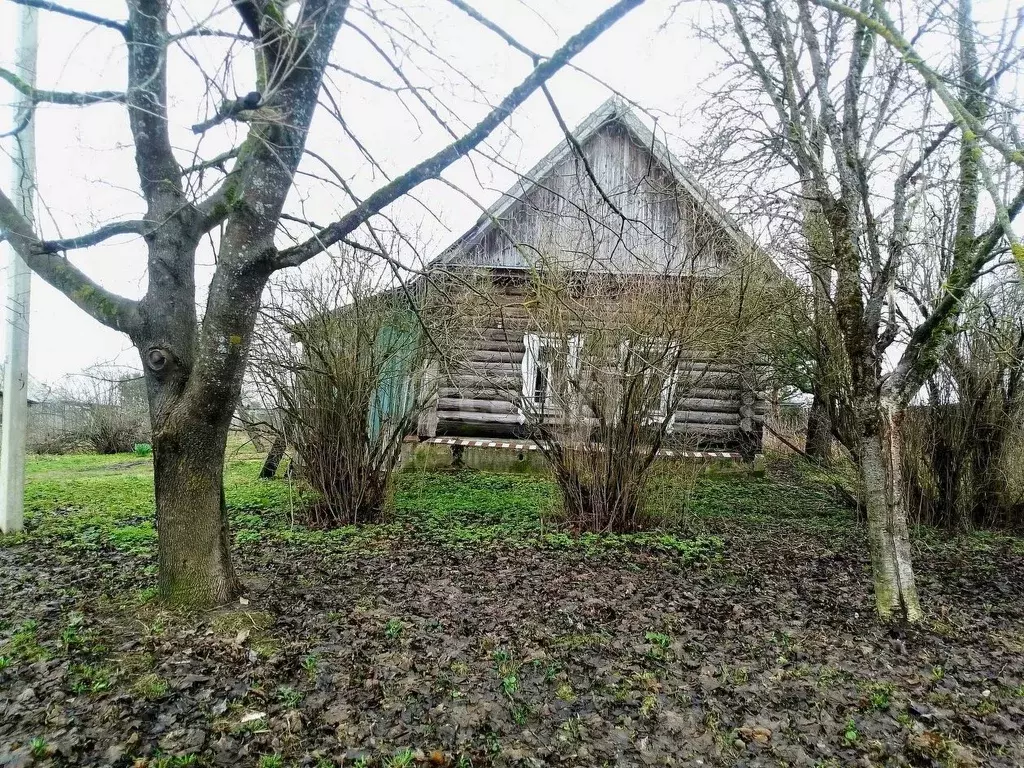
(818, 443)
(273, 459)
(193, 544)
(193, 382)
(881, 453)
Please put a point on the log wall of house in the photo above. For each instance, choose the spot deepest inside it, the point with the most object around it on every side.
(637, 219)
(480, 385)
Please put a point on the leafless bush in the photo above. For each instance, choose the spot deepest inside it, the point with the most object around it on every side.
(614, 361)
(964, 464)
(51, 444)
(337, 359)
(103, 411)
(110, 430)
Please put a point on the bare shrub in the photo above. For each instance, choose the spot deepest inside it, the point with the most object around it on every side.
(51, 444)
(622, 357)
(102, 410)
(337, 360)
(111, 431)
(964, 465)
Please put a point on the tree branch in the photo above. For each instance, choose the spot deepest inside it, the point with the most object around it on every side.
(566, 131)
(885, 28)
(987, 241)
(73, 13)
(581, 156)
(956, 287)
(105, 232)
(108, 308)
(206, 32)
(69, 98)
(20, 124)
(159, 173)
(434, 166)
(230, 110)
(217, 161)
(481, 19)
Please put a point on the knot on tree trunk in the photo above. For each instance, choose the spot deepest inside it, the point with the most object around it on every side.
(157, 359)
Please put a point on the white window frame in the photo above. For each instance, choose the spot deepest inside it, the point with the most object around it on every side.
(667, 386)
(532, 343)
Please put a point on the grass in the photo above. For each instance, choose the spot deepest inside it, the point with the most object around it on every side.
(288, 696)
(86, 502)
(24, 644)
(393, 629)
(150, 687)
(770, 503)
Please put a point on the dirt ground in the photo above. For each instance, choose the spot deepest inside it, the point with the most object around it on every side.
(417, 653)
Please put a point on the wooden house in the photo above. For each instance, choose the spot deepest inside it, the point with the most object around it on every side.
(612, 213)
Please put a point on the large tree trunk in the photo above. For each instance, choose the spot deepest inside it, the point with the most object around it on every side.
(885, 500)
(193, 544)
(193, 382)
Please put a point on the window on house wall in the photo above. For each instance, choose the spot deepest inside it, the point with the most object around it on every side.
(549, 363)
(653, 362)
(663, 381)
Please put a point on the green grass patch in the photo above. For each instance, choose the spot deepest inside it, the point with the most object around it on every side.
(88, 502)
(769, 502)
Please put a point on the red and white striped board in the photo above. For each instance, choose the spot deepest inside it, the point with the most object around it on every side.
(532, 446)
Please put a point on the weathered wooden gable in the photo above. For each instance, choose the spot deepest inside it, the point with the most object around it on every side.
(622, 210)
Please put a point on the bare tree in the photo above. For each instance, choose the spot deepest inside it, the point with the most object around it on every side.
(194, 366)
(859, 135)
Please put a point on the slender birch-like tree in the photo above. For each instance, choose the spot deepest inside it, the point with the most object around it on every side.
(851, 117)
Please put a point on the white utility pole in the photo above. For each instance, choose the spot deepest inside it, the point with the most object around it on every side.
(19, 282)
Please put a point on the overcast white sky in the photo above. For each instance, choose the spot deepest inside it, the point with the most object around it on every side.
(86, 175)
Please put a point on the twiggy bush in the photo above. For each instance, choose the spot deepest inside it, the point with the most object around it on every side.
(338, 358)
(963, 461)
(103, 411)
(622, 356)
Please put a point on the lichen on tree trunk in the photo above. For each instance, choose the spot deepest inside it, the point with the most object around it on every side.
(885, 501)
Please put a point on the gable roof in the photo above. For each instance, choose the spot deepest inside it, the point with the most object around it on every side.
(612, 111)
